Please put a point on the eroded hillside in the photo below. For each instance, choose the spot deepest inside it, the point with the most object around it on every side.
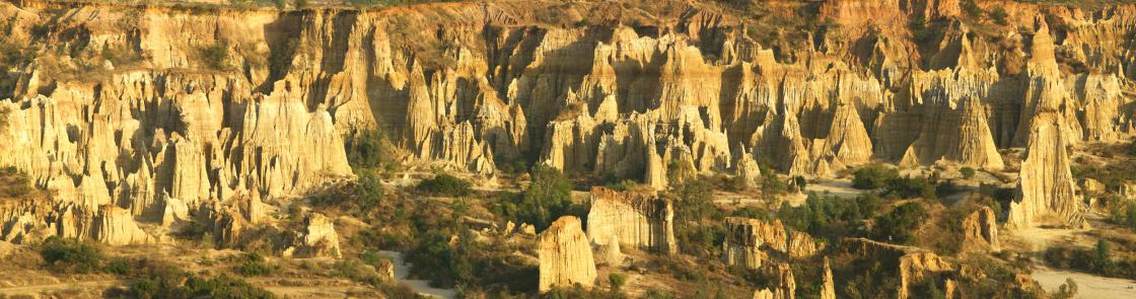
(136, 119)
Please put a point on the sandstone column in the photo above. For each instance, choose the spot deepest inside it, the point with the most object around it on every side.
(565, 255)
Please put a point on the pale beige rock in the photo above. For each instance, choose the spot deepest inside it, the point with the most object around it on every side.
(980, 230)
(565, 256)
(318, 238)
(633, 218)
(828, 288)
(915, 264)
(116, 226)
(1046, 185)
(751, 242)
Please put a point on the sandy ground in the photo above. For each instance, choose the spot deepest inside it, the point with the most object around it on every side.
(1088, 286)
(73, 288)
(402, 271)
(841, 188)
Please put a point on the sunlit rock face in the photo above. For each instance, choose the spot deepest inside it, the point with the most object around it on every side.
(631, 218)
(752, 243)
(565, 255)
(121, 106)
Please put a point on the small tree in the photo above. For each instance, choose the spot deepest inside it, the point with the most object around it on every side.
(1103, 258)
(369, 190)
(548, 196)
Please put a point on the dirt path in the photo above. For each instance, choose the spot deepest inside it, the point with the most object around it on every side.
(82, 286)
(839, 188)
(1088, 285)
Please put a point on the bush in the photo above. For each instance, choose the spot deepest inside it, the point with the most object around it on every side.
(252, 264)
(698, 228)
(998, 14)
(216, 56)
(617, 281)
(873, 176)
(971, 8)
(369, 190)
(445, 265)
(153, 279)
(911, 187)
(369, 149)
(445, 185)
(70, 256)
(548, 197)
(898, 225)
(967, 172)
(829, 216)
(14, 183)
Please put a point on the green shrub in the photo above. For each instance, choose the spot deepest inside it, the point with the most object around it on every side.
(70, 256)
(253, 264)
(369, 190)
(216, 56)
(829, 216)
(617, 281)
(998, 14)
(445, 185)
(162, 280)
(370, 149)
(445, 265)
(911, 187)
(698, 228)
(548, 197)
(14, 183)
(967, 172)
(971, 8)
(118, 266)
(873, 176)
(898, 225)
(356, 271)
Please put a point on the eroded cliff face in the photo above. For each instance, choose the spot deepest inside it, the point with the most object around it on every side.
(914, 264)
(565, 255)
(632, 219)
(147, 107)
(752, 243)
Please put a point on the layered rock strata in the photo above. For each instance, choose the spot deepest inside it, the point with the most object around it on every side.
(751, 243)
(565, 256)
(914, 264)
(631, 218)
(118, 103)
(980, 230)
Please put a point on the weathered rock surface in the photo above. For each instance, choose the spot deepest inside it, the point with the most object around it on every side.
(1046, 186)
(915, 264)
(117, 105)
(633, 218)
(828, 288)
(116, 226)
(318, 238)
(751, 243)
(980, 230)
(565, 255)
